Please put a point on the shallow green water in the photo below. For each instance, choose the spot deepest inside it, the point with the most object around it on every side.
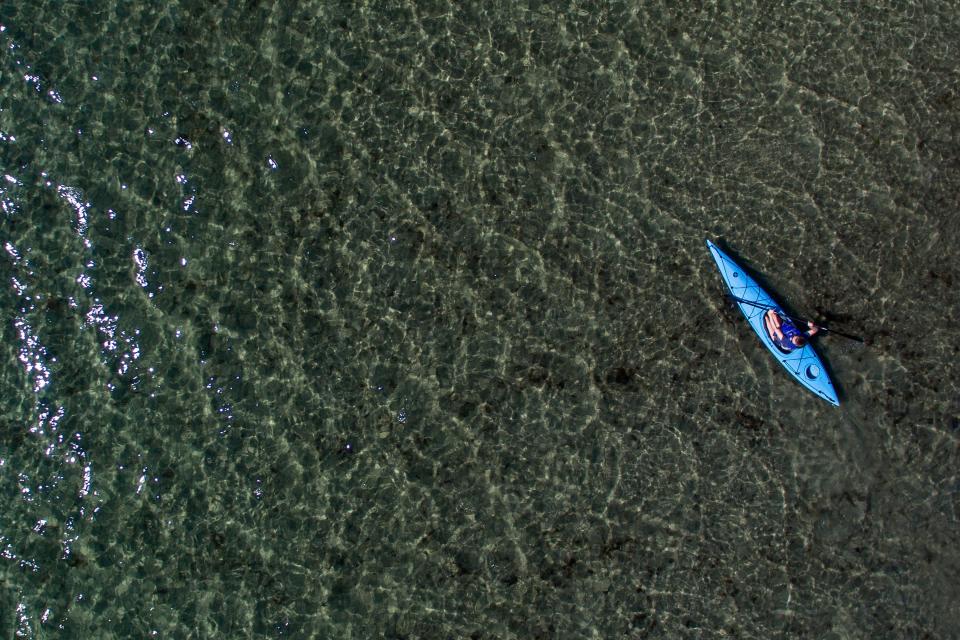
(395, 320)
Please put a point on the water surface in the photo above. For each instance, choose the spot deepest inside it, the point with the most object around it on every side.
(391, 319)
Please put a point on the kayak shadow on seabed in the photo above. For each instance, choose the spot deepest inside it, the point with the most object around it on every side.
(765, 284)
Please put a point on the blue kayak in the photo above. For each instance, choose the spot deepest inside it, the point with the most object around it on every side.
(803, 364)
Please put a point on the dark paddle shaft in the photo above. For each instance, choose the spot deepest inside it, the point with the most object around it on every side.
(797, 321)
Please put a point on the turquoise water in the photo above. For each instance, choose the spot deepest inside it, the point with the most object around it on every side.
(395, 320)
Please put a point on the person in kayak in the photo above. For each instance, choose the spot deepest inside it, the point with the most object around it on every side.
(784, 334)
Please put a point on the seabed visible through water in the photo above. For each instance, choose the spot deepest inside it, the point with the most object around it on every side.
(394, 320)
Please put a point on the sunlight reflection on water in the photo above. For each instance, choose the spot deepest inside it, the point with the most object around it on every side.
(396, 320)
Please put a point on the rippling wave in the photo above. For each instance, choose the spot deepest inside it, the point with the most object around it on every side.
(394, 320)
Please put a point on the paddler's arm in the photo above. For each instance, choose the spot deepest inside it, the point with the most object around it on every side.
(812, 329)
